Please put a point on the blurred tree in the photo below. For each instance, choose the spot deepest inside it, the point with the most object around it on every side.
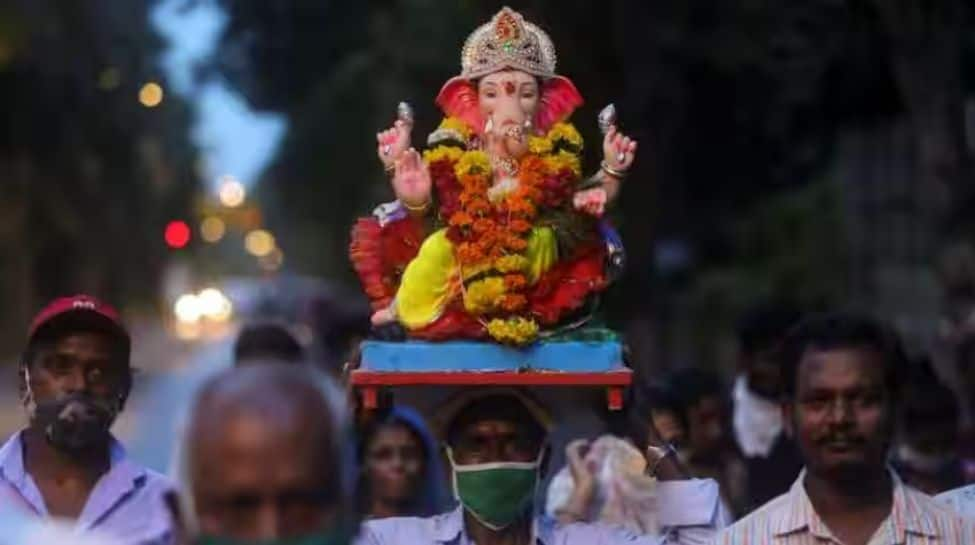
(930, 46)
(90, 174)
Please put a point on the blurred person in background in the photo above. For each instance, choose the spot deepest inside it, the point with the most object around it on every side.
(262, 460)
(965, 368)
(496, 443)
(400, 470)
(962, 499)
(258, 343)
(75, 378)
(667, 416)
(842, 378)
(926, 453)
(339, 321)
(267, 341)
(710, 450)
(772, 460)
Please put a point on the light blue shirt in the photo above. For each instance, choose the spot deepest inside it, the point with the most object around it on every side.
(687, 514)
(961, 500)
(23, 529)
(126, 503)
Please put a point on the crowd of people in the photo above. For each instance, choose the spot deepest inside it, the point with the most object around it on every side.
(828, 434)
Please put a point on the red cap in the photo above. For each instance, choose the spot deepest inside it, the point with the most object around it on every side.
(78, 312)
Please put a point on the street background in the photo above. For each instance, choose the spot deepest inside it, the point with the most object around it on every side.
(199, 163)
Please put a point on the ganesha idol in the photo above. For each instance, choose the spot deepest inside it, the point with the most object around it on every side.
(495, 233)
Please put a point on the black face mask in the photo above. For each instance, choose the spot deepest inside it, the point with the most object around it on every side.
(76, 421)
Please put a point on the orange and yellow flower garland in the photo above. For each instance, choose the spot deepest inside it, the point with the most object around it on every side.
(491, 237)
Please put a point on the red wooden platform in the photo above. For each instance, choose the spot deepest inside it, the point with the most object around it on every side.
(370, 382)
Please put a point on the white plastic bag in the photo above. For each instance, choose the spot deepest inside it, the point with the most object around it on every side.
(625, 496)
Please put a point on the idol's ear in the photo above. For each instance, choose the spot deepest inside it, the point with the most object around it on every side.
(458, 98)
(559, 99)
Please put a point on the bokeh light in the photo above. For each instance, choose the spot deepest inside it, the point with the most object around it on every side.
(188, 309)
(215, 305)
(212, 229)
(177, 234)
(259, 243)
(232, 192)
(151, 94)
(109, 78)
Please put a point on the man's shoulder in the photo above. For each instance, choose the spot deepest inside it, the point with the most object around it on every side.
(757, 523)
(594, 533)
(417, 530)
(950, 522)
(146, 481)
(155, 480)
(443, 528)
(960, 500)
(388, 524)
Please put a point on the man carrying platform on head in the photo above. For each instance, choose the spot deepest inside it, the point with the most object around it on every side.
(496, 443)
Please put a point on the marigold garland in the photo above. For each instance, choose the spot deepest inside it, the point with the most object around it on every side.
(490, 239)
(517, 330)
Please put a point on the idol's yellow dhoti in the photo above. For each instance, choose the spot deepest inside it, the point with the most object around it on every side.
(433, 279)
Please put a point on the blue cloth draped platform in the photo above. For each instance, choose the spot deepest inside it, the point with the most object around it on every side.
(466, 356)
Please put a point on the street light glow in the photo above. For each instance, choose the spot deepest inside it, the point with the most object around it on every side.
(215, 305)
(232, 192)
(188, 309)
(212, 229)
(259, 243)
(151, 94)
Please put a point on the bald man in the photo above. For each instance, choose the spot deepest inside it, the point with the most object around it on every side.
(262, 459)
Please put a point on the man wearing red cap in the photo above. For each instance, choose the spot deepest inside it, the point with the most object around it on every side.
(75, 378)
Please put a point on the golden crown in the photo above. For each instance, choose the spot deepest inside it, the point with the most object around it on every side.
(508, 41)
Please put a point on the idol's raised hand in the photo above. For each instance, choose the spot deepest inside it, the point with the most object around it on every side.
(393, 142)
(411, 181)
(619, 151)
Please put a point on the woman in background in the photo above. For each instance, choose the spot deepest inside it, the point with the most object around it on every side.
(401, 474)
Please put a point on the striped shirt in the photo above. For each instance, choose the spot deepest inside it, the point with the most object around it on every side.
(960, 500)
(915, 519)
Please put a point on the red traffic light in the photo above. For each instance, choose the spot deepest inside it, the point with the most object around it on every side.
(177, 234)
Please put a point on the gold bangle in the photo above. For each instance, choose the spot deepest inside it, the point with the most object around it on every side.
(389, 168)
(421, 208)
(619, 174)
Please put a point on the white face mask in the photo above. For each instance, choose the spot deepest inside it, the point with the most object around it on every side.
(757, 422)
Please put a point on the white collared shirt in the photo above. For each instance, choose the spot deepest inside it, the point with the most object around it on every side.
(687, 514)
(757, 422)
(960, 500)
(790, 519)
(126, 503)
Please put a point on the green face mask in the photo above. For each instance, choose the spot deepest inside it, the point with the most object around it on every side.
(331, 538)
(496, 494)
